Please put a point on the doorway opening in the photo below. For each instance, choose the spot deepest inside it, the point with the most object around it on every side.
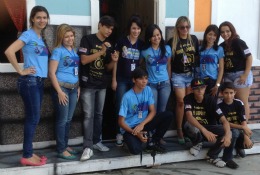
(8, 30)
(121, 10)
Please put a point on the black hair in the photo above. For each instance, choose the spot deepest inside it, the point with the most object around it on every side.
(107, 21)
(134, 19)
(139, 73)
(227, 85)
(148, 35)
(210, 28)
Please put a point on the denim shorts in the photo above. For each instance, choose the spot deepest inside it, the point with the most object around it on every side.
(181, 80)
(235, 76)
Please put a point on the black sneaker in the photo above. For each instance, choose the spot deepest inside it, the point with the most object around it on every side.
(155, 147)
(159, 149)
(231, 164)
(241, 152)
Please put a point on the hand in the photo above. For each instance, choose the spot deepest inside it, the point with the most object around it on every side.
(242, 79)
(78, 93)
(63, 99)
(209, 135)
(247, 131)
(247, 142)
(28, 71)
(214, 91)
(114, 56)
(114, 85)
(226, 141)
(138, 129)
(140, 135)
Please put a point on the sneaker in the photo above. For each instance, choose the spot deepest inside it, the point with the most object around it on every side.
(195, 150)
(241, 152)
(99, 146)
(217, 162)
(87, 153)
(231, 164)
(119, 140)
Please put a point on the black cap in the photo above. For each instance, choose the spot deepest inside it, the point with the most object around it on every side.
(197, 82)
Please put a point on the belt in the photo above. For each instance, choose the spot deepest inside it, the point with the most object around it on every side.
(159, 83)
(69, 85)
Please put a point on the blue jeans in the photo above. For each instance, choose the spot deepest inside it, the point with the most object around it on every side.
(235, 76)
(31, 90)
(161, 92)
(92, 102)
(64, 115)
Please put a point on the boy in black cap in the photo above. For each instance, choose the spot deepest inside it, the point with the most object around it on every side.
(234, 111)
(202, 115)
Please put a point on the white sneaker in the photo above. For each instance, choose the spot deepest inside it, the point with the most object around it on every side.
(87, 153)
(196, 149)
(99, 146)
(119, 140)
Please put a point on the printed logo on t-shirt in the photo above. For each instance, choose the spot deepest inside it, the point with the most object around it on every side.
(247, 51)
(83, 50)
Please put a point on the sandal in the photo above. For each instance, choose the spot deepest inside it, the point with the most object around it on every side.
(217, 162)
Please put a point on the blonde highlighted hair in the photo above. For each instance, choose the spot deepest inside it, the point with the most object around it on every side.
(176, 37)
(60, 33)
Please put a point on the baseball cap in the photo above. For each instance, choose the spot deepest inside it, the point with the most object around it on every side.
(197, 82)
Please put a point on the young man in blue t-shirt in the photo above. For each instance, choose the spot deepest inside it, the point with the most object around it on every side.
(137, 116)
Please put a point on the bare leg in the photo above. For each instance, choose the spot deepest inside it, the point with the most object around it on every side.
(180, 93)
(243, 94)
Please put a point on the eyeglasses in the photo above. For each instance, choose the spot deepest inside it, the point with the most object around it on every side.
(184, 27)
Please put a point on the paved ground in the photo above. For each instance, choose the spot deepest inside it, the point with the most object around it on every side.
(249, 165)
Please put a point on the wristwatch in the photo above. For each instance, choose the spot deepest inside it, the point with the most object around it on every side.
(218, 84)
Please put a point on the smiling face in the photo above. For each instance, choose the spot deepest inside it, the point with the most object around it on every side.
(135, 30)
(156, 38)
(211, 38)
(68, 39)
(183, 29)
(225, 32)
(40, 20)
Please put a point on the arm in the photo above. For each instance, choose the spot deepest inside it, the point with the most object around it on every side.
(169, 68)
(85, 59)
(209, 135)
(113, 62)
(114, 82)
(227, 137)
(149, 117)
(243, 77)
(214, 90)
(10, 54)
(63, 99)
(122, 124)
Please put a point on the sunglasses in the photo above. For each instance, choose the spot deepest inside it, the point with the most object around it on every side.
(184, 27)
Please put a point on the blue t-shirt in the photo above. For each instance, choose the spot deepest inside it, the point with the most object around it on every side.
(67, 70)
(209, 59)
(35, 53)
(132, 103)
(155, 65)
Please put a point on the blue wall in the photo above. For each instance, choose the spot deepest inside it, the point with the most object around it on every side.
(66, 7)
(176, 8)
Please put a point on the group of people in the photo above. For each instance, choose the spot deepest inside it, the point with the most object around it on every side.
(143, 75)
